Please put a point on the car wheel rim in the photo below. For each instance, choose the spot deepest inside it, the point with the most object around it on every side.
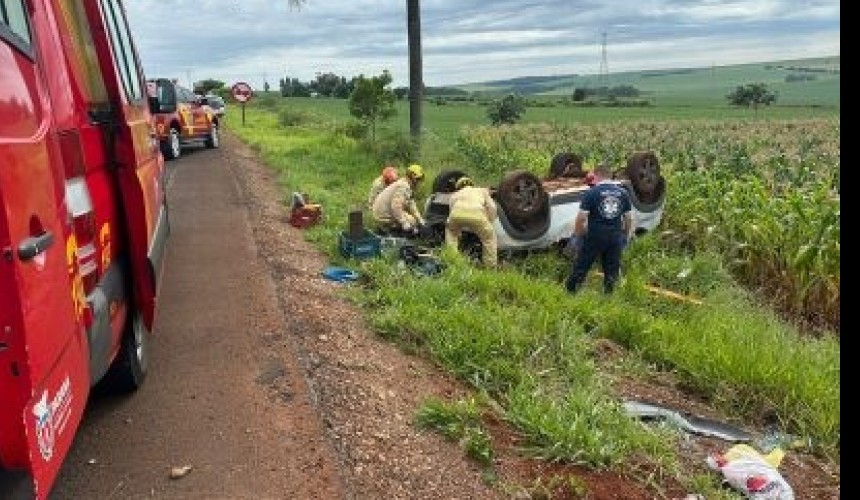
(648, 177)
(140, 343)
(526, 195)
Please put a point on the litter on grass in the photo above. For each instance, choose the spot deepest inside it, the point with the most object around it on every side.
(339, 274)
(688, 422)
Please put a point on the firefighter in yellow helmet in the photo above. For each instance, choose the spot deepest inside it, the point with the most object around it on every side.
(395, 207)
(473, 209)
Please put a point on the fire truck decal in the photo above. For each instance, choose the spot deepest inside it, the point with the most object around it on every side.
(51, 415)
(78, 298)
(187, 120)
(104, 240)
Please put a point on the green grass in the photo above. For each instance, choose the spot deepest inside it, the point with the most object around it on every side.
(694, 93)
(516, 336)
(459, 422)
(706, 86)
(444, 125)
(444, 122)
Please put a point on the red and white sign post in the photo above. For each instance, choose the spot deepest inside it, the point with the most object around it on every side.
(242, 92)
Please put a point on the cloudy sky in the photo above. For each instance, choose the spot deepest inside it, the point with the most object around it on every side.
(471, 40)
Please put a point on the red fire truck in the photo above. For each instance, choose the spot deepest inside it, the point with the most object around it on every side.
(83, 224)
(182, 118)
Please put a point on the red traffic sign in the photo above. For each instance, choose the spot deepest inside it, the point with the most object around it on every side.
(242, 92)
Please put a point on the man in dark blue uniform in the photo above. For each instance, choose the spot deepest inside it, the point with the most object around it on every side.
(605, 224)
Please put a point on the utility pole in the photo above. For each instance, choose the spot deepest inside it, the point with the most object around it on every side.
(603, 74)
(416, 77)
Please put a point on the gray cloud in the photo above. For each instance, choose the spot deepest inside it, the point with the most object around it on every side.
(471, 40)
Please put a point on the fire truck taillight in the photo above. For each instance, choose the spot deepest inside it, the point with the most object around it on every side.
(84, 227)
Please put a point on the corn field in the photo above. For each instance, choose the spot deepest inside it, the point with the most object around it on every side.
(763, 194)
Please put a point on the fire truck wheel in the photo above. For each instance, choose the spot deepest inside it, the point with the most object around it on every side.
(132, 364)
(172, 149)
(214, 140)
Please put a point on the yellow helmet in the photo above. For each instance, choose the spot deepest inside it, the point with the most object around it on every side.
(463, 182)
(415, 171)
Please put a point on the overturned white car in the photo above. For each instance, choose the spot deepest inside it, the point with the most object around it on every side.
(537, 213)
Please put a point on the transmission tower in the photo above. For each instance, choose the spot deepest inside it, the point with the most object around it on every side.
(603, 73)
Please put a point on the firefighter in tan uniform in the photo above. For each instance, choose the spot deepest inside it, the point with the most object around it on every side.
(395, 207)
(389, 174)
(473, 209)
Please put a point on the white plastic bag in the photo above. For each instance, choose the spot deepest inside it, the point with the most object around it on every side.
(752, 474)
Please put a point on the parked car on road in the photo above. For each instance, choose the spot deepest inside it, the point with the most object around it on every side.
(181, 118)
(219, 107)
(535, 213)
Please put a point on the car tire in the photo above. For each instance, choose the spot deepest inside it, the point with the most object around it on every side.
(213, 140)
(521, 195)
(445, 181)
(566, 165)
(647, 203)
(172, 147)
(643, 172)
(131, 365)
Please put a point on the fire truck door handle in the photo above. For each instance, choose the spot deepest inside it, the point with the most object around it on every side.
(34, 245)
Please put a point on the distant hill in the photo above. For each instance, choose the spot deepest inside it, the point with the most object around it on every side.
(813, 81)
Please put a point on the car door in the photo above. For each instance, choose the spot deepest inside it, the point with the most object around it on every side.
(138, 164)
(43, 370)
(185, 113)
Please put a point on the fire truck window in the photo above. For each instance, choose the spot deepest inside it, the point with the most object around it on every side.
(187, 96)
(123, 51)
(166, 93)
(13, 15)
(81, 51)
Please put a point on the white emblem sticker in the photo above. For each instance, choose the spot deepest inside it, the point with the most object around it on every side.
(51, 416)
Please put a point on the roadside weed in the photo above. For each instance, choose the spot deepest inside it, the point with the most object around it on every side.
(459, 422)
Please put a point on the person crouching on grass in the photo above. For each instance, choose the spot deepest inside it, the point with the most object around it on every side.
(605, 224)
(394, 209)
(389, 174)
(473, 209)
